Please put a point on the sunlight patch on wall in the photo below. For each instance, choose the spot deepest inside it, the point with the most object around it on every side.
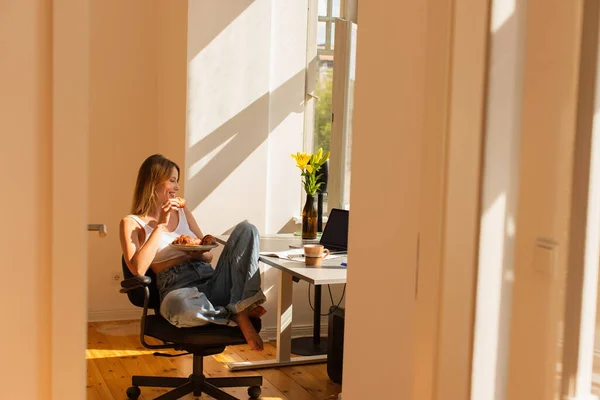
(502, 11)
(492, 230)
(198, 165)
(229, 73)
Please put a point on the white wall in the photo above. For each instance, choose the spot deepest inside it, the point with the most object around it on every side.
(228, 112)
(245, 115)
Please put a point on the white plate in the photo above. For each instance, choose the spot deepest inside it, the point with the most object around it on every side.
(186, 247)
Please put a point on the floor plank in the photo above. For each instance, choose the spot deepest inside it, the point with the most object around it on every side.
(109, 364)
(115, 354)
(96, 386)
(285, 384)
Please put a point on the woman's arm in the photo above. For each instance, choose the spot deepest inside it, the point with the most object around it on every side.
(138, 256)
(205, 256)
(192, 222)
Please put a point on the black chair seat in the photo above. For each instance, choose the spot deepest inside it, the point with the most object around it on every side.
(199, 341)
(206, 336)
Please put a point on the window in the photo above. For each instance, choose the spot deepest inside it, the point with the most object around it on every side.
(343, 109)
(327, 10)
(331, 58)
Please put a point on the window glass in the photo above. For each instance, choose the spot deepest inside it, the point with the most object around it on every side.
(321, 34)
(322, 7)
(324, 75)
(335, 13)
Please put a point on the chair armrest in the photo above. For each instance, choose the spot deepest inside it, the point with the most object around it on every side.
(142, 282)
(135, 283)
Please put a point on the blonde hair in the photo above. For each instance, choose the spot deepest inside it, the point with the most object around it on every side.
(155, 170)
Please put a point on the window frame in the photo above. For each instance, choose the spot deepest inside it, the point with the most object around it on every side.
(340, 95)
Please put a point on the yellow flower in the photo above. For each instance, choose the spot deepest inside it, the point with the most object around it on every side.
(302, 159)
(310, 164)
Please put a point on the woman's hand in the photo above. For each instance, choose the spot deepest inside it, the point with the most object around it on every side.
(202, 255)
(165, 212)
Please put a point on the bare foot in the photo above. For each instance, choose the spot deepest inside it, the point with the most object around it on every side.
(253, 339)
(257, 312)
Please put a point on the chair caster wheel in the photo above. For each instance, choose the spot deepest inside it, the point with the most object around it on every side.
(254, 392)
(133, 392)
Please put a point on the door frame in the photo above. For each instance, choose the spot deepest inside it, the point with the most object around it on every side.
(70, 130)
(451, 164)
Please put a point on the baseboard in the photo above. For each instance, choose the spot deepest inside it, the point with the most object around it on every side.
(270, 333)
(267, 333)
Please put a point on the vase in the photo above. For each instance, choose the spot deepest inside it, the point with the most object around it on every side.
(309, 218)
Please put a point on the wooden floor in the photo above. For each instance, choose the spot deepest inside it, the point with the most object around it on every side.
(115, 353)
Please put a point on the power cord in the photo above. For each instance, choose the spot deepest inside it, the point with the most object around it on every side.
(331, 297)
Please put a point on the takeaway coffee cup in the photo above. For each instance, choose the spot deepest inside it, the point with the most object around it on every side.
(314, 254)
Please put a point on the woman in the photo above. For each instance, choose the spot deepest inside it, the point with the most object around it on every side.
(191, 292)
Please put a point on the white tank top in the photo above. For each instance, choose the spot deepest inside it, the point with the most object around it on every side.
(164, 251)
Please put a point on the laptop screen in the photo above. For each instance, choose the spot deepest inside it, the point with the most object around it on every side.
(335, 234)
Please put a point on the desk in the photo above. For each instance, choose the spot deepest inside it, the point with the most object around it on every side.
(330, 272)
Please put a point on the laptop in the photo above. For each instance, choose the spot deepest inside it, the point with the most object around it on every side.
(335, 234)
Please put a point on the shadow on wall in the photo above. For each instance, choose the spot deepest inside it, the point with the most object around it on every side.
(220, 18)
(290, 227)
(219, 150)
(240, 140)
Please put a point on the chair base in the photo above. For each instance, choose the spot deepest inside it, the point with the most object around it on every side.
(196, 383)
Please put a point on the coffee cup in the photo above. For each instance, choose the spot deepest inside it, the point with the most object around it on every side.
(314, 254)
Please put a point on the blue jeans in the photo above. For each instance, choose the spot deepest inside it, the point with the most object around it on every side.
(193, 294)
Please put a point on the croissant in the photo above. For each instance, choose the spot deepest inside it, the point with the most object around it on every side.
(187, 240)
(208, 239)
(181, 201)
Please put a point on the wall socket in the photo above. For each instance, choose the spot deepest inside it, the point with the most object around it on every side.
(116, 277)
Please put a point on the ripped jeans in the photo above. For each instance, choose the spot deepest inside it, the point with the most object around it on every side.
(193, 294)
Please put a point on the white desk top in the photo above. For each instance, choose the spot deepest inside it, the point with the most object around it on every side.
(330, 271)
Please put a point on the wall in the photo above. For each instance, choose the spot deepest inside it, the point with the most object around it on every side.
(548, 126)
(137, 108)
(245, 116)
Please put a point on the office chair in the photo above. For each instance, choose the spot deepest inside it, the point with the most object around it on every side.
(200, 341)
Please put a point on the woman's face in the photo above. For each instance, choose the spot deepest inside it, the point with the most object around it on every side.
(168, 189)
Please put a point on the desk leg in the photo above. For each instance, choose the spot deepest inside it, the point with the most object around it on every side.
(317, 316)
(315, 345)
(284, 316)
(284, 334)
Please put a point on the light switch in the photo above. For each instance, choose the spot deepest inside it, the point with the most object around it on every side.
(544, 257)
